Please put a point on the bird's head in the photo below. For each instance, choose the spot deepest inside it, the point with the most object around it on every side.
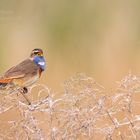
(36, 52)
(37, 57)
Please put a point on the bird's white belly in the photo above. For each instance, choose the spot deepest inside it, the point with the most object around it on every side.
(31, 81)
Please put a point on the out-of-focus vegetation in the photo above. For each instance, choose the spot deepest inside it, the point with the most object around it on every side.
(83, 111)
(97, 37)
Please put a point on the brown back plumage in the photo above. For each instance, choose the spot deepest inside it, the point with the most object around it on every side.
(27, 69)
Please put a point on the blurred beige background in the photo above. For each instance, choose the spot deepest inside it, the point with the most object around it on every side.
(97, 37)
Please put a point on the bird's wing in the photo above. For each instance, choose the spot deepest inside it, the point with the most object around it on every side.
(20, 70)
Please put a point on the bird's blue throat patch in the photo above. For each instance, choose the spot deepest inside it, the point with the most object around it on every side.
(39, 60)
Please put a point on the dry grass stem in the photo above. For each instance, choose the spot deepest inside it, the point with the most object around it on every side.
(84, 110)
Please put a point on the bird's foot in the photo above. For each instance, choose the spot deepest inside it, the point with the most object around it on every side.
(25, 90)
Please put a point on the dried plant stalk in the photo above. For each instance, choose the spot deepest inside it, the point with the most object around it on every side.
(84, 110)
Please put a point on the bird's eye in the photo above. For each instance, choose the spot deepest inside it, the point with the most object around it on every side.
(36, 53)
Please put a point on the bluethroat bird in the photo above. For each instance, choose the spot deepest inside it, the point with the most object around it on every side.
(25, 73)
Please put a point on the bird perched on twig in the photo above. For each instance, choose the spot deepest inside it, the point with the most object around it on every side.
(26, 73)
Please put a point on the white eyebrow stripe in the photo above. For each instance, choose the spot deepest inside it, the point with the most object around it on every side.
(41, 63)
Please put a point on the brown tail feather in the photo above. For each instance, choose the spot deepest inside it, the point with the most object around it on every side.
(3, 84)
(5, 81)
